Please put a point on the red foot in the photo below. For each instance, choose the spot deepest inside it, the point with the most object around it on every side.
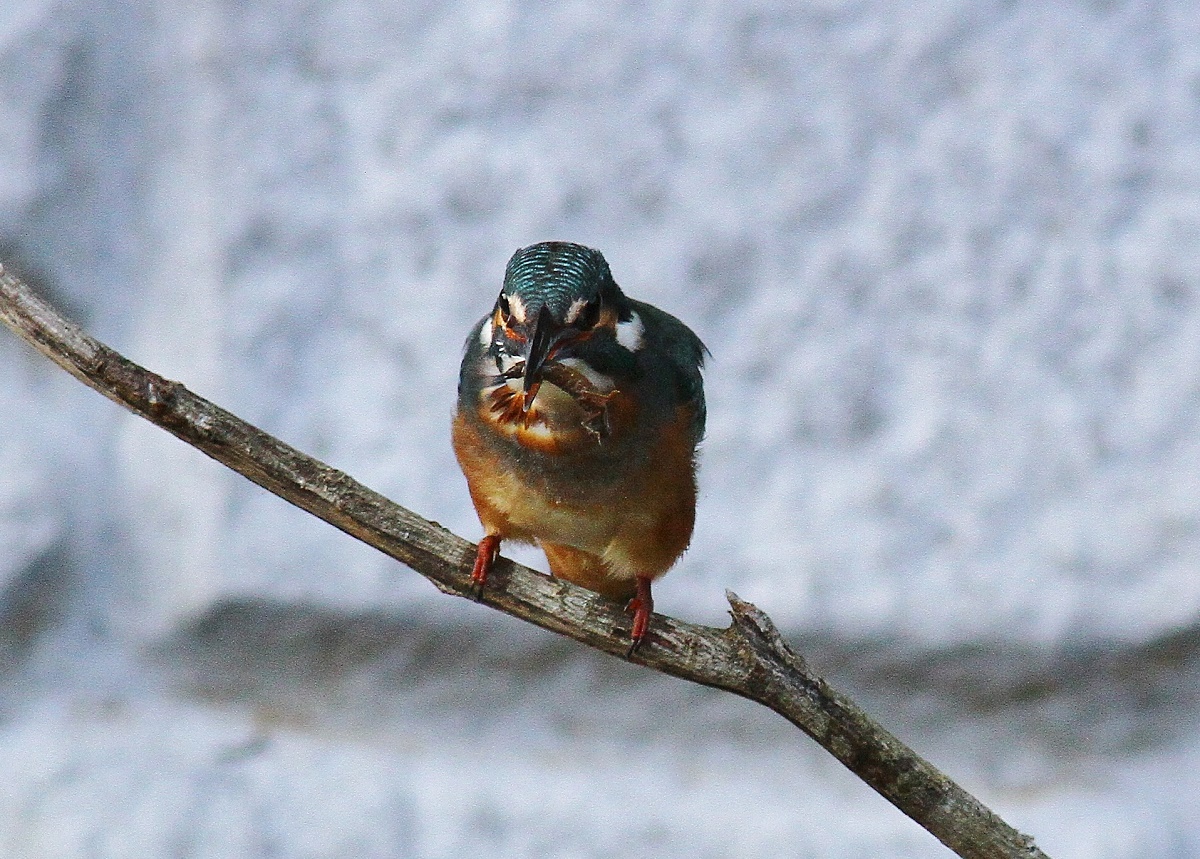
(641, 606)
(489, 548)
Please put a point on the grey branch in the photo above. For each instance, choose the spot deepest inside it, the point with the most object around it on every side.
(750, 658)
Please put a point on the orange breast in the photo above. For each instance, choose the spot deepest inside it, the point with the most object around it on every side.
(602, 538)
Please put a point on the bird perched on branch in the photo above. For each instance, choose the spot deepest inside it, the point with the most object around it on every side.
(579, 413)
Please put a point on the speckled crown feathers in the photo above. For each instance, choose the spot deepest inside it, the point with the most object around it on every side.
(557, 273)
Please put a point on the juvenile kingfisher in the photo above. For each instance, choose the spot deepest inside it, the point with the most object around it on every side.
(579, 413)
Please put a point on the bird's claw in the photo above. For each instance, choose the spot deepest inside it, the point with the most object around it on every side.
(641, 606)
(485, 557)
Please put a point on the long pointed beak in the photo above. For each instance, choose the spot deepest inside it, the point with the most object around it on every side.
(539, 345)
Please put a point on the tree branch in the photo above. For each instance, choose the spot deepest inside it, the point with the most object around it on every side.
(750, 658)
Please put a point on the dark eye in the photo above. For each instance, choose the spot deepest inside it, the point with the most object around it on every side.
(505, 310)
(589, 316)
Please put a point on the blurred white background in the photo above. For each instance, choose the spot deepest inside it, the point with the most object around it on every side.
(947, 260)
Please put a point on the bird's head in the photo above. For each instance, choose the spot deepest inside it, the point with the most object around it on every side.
(557, 298)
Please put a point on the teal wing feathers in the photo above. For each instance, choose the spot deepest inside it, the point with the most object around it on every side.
(670, 340)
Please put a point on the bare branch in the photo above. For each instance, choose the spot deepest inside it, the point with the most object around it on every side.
(750, 658)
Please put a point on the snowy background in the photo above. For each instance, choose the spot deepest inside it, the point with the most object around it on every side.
(946, 257)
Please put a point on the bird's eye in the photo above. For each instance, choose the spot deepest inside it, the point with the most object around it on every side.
(589, 316)
(505, 310)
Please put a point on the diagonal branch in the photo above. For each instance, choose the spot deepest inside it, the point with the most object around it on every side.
(750, 658)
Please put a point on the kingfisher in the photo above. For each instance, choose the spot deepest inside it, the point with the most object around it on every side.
(579, 414)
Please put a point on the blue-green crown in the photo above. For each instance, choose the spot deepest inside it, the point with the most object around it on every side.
(555, 274)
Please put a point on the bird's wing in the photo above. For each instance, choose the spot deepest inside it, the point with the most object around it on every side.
(673, 341)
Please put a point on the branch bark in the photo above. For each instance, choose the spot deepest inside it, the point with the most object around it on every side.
(750, 658)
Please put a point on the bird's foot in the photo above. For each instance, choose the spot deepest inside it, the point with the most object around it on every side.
(641, 606)
(485, 557)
